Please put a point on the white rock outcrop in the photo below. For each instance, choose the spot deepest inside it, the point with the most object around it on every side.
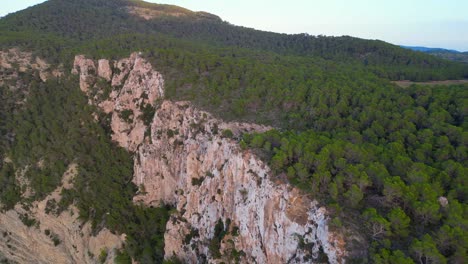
(87, 71)
(184, 160)
(135, 86)
(104, 69)
(210, 178)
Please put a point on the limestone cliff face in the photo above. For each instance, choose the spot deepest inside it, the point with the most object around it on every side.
(227, 201)
(86, 69)
(53, 238)
(135, 87)
(210, 178)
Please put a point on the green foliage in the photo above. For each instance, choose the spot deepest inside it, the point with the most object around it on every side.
(197, 181)
(126, 115)
(9, 191)
(227, 133)
(426, 250)
(55, 239)
(122, 257)
(103, 255)
(387, 257)
(27, 221)
(170, 133)
(54, 129)
(367, 162)
(188, 238)
(399, 222)
(145, 233)
(368, 149)
(215, 243)
(54, 32)
(453, 56)
(148, 114)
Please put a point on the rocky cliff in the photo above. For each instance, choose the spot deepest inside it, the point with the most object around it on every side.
(228, 204)
(135, 88)
(32, 234)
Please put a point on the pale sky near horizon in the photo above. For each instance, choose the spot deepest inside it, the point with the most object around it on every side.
(430, 23)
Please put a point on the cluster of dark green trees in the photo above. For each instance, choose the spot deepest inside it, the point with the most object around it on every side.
(401, 163)
(394, 159)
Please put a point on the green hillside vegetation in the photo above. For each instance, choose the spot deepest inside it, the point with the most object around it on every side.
(82, 21)
(54, 129)
(459, 57)
(391, 160)
(378, 156)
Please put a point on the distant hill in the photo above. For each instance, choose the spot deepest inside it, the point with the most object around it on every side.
(430, 50)
(83, 22)
(448, 54)
(459, 57)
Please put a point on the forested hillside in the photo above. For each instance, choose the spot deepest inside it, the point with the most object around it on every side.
(400, 161)
(43, 28)
(54, 129)
(388, 161)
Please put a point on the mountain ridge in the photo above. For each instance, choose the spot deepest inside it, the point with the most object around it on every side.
(76, 24)
(448, 54)
(429, 50)
(179, 126)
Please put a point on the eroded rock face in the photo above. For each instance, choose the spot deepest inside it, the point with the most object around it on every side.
(135, 87)
(15, 61)
(104, 69)
(87, 71)
(35, 244)
(210, 178)
(184, 160)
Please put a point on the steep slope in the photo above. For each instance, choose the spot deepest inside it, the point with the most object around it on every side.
(34, 160)
(136, 88)
(387, 163)
(53, 238)
(225, 196)
(213, 184)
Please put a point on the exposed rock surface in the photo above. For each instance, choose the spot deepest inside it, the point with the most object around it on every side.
(104, 69)
(135, 87)
(186, 162)
(35, 244)
(157, 11)
(14, 62)
(86, 69)
(208, 178)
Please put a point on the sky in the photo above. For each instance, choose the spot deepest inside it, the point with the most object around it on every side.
(430, 23)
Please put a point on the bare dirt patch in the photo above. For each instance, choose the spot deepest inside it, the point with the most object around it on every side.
(148, 14)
